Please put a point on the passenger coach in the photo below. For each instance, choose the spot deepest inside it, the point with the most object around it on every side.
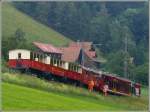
(25, 59)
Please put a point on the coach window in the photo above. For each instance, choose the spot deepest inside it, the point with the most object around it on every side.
(19, 55)
(72, 67)
(55, 61)
(31, 55)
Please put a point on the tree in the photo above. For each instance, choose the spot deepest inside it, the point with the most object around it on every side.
(99, 29)
(115, 64)
(17, 40)
(141, 73)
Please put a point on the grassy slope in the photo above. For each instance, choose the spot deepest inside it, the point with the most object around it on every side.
(13, 19)
(56, 96)
(31, 99)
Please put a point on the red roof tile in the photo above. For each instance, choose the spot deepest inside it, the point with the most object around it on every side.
(47, 48)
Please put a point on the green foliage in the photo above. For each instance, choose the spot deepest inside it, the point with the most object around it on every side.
(17, 97)
(116, 63)
(135, 73)
(15, 41)
(141, 73)
(4, 67)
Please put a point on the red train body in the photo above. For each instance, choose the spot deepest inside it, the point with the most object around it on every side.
(116, 85)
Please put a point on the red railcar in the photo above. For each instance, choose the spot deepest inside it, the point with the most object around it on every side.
(116, 85)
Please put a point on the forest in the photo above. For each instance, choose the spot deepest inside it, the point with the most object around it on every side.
(113, 25)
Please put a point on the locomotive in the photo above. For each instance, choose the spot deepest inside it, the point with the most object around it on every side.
(31, 60)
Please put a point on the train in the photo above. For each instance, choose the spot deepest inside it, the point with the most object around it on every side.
(33, 60)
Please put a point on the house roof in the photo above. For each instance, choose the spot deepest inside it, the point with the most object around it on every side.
(48, 48)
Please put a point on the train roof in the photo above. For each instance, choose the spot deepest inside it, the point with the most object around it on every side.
(117, 77)
(48, 48)
(106, 74)
(19, 50)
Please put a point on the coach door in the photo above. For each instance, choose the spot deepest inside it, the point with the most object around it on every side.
(19, 55)
(18, 62)
(114, 85)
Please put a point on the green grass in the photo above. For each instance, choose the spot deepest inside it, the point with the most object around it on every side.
(35, 31)
(23, 92)
(32, 99)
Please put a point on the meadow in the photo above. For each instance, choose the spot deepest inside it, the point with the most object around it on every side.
(12, 19)
(25, 92)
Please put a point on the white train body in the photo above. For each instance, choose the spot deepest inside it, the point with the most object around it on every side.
(19, 54)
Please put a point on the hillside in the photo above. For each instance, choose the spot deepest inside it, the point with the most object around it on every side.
(20, 88)
(12, 19)
(108, 25)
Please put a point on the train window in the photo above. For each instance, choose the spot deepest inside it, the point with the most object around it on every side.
(69, 66)
(19, 55)
(54, 61)
(39, 58)
(31, 55)
(77, 69)
(111, 84)
(73, 67)
(58, 62)
(34, 55)
(62, 63)
(51, 61)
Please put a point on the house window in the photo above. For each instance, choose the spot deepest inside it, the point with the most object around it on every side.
(19, 55)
